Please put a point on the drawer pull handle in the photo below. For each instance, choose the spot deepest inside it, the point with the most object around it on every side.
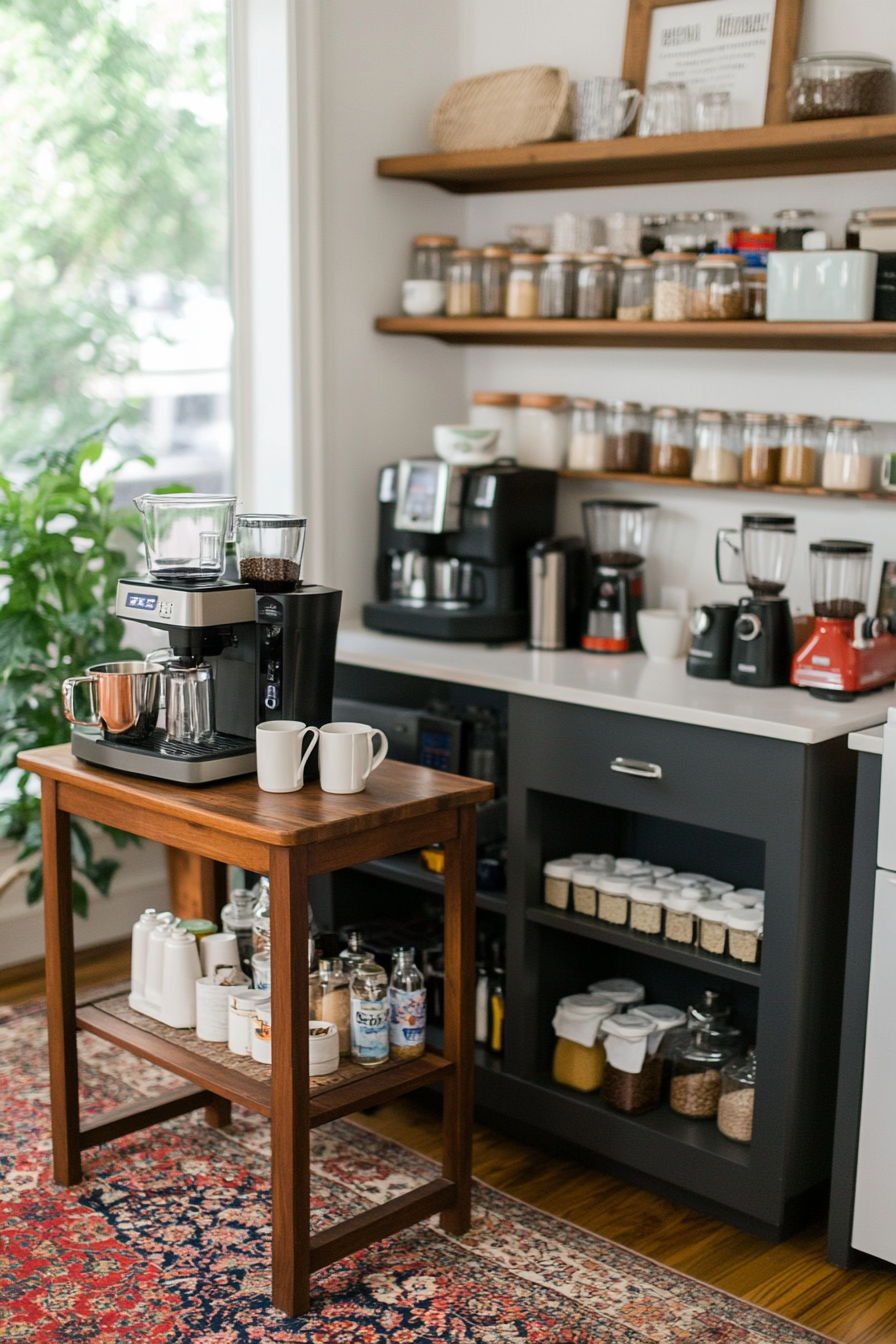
(643, 769)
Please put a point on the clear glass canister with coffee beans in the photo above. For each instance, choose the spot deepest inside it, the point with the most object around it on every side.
(840, 85)
(697, 1075)
(633, 1077)
(269, 547)
(761, 448)
(627, 437)
(737, 1097)
(717, 289)
(671, 441)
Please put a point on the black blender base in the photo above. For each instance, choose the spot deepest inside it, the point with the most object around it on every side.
(845, 697)
(158, 759)
(432, 621)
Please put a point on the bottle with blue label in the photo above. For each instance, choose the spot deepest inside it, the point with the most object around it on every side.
(407, 1007)
(370, 1014)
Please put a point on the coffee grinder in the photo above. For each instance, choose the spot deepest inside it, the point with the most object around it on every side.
(618, 533)
(849, 652)
(760, 554)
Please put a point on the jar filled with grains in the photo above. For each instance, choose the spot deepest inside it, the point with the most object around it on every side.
(755, 291)
(586, 440)
(736, 1098)
(801, 440)
(627, 437)
(718, 289)
(557, 285)
(713, 918)
(761, 444)
(464, 295)
(579, 1054)
(522, 284)
(745, 934)
(847, 463)
(557, 879)
(645, 908)
(697, 1075)
(715, 449)
(681, 921)
(633, 1078)
(495, 269)
(612, 901)
(584, 890)
(335, 1001)
(597, 285)
(672, 283)
(671, 441)
(430, 255)
(635, 290)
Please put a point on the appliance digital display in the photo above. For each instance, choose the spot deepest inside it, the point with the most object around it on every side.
(435, 750)
(142, 601)
(420, 501)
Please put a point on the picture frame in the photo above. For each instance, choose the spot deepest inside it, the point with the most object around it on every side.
(785, 36)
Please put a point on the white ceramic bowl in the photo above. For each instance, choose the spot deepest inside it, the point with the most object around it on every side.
(662, 633)
(466, 445)
(423, 298)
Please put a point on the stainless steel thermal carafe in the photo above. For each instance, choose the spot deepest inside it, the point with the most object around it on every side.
(556, 592)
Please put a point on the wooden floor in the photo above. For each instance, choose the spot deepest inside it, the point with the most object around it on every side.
(851, 1306)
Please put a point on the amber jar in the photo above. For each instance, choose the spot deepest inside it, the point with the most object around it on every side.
(801, 442)
(671, 441)
(761, 442)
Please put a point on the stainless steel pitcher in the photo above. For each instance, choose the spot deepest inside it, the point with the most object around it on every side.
(124, 698)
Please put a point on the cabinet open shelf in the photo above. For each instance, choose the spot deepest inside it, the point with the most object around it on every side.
(407, 869)
(648, 944)
(643, 478)
(842, 145)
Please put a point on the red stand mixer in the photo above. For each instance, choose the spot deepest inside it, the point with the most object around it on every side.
(849, 652)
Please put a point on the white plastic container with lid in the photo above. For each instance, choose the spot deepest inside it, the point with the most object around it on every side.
(660, 870)
(557, 877)
(645, 908)
(629, 865)
(713, 916)
(696, 891)
(681, 922)
(737, 900)
(667, 884)
(496, 410)
(663, 1017)
(585, 882)
(599, 860)
(633, 1076)
(745, 934)
(693, 877)
(620, 989)
(756, 893)
(542, 430)
(643, 873)
(612, 897)
(716, 887)
(579, 1054)
(580, 1017)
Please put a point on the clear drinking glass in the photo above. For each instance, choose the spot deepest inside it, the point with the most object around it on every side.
(270, 548)
(185, 536)
(666, 110)
(712, 110)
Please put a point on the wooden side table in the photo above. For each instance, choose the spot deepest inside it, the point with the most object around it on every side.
(291, 837)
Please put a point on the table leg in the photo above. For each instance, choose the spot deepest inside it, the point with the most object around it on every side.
(60, 969)
(460, 958)
(217, 1113)
(290, 1126)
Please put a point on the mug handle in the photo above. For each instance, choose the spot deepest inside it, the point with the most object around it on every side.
(376, 760)
(634, 98)
(68, 694)
(730, 539)
(315, 735)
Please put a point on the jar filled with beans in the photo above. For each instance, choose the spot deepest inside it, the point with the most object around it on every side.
(717, 293)
(626, 437)
(697, 1075)
(633, 1078)
(761, 448)
(671, 441)
(736, 1098)
(672, 284)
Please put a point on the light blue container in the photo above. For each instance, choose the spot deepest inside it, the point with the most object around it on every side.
(821, 286)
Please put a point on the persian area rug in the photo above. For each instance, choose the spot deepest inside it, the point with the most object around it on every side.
(168, 1239)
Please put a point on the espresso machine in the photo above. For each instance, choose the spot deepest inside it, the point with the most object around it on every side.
(618, 534)
(849, 652)
(239, 653)
(759, 553)
(451, 560)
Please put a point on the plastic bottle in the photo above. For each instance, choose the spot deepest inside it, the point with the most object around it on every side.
(407, 1007)
(370, 1014)
(482, 996)
(496, 1011)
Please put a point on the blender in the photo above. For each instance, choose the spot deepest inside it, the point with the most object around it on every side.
(848, 652)
(618, 533)
(760, 554)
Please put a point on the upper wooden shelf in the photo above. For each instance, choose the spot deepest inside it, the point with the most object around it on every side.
(842, 145)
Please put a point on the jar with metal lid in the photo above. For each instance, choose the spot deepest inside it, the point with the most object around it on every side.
(585, 882)
(557, 878)
(801, 440)
(680, 921)
(586, 440)
(792, 227)
(627, 437)
(653, 231)
(858, 220)
(464, 281)
(579, 1054)
(755, 291)
(496, 410)
(737, 1094)
(718, 288)
(635, 290)
(542, 430)
(672, 284)
(612, 898)
(761, 448)
(713, 920)
(716, 457)
(633, 1078)
(840, 85)
(745, 934)
(522, 284)
(697, 1075)
(645, 908)
(557, 285)
(430, 255)
(671, 441)
(597, 285)
(495, 270)
(848, 450)
(717, 227)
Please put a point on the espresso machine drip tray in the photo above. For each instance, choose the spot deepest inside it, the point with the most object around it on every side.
(157, 758)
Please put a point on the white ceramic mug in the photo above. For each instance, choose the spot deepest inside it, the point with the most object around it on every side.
(261, 1033)
(423, 298)
(662, 633)
(218, 949)
(241, 1005)
(279, 755)
(212, 1009)
(347, 757)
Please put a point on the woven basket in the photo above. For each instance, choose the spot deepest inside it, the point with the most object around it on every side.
(511, 107)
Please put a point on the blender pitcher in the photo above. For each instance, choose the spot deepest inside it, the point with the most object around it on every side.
(618, 532)
(759, 553)
(185, 536)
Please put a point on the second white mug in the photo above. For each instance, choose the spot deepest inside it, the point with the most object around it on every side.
(279, 755)
(347, 756)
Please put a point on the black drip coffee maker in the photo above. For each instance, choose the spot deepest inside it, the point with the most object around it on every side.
(760, 554)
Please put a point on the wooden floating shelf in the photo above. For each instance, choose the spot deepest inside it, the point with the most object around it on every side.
(643, 478)
(842, 145)
(877, 337)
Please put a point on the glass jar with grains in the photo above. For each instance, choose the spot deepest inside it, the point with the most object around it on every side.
(557, 878)
(579, 1055)
(645, 908)
(586, 441)
(847, 463)
(495, 269)
(761, 443)
(671, 441)
(585, 881)
(557, 285)
(635, 290)
(736, 1098)
(464, 295)
(713, 917)
(597, 285)
(801, 440)
(335, 1000)
(430, 255)
(718, 289)
(745, 934)
(612, 898)
(522, 284)
(672, 283)
(697, 1075)
(627, 437)
(715, 449)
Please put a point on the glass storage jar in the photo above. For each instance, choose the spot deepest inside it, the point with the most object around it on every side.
(335, 1000)
(430, 254)
(579, 1054)
(635, 290)
(848, 450)
(736, 1097)
(686, 233)
(755, 291)
(653, 230)
(671, 440)
(840, 85)
(713, 920)
(717, 228)
(557, 285)
(496, 410)
(586, 441)
(801, 439)
(672, 284)
(627, 437)
(522, 284)
(858, 220)
(464, 283)
(542, 430)
(584, 890)
(745, 934)
(681, 921)
(711, 1011)
(645, 908)
(715, 449)
(557, 878)
(697, 1075)
(717, 292)
(612, 898)
(269, 547)
(495, 269)
(597, 285)
(792, 227)
(761, 448)
(633, 1078)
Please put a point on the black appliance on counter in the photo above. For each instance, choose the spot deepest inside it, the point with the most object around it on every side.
(618, 533)
(712, 629)
(451, 560)
(760, 554)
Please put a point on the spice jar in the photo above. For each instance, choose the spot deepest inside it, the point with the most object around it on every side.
(792, 227)
(838, 85)
(800, 446)
(847, 456)
(715, 450)
(755, 291)
(335, 1001)
(557, 285)
(736, 1097)
(495, 269)
(697, 1075)
(579, 1055)
(713, 918)
(627, 438)
(620, 989)
(633, 1079)
(584, 890)
(745, 934)
(597, 285)
(635, 290)
(672, 285)
(541, 430)
(612, 902)
(681, 922)
(464, 295)
(586, 441)
(557, 878)
(430, 255)
(670, 442)
(522, 284)
(718, 288)
(496, 410)
(370, 1014)
(645, 908)
(761, 443)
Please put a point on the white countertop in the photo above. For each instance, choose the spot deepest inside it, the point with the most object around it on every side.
(869, 739)
(627, 683)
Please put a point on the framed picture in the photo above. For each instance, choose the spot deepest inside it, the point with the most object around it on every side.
(743, 46)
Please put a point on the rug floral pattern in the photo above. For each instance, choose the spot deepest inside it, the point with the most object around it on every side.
(168, 1239)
